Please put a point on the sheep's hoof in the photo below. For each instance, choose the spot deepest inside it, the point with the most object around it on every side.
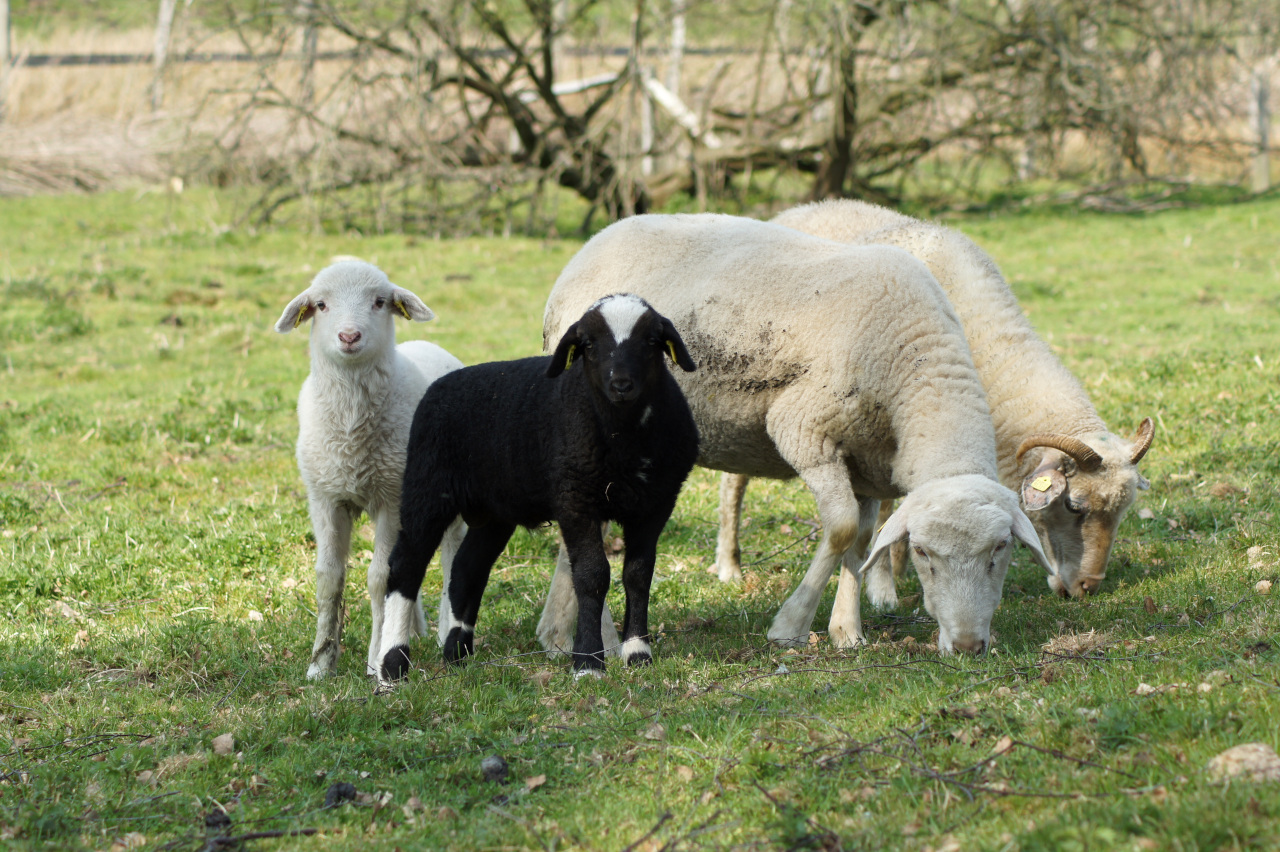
(395, 663)
(324, 661)
(598, 674)
(591, 663)
(729, 572)
(459, 645)
(844, 638)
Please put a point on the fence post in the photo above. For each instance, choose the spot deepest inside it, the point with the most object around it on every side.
(4, 57)
(164, 25)
(1260, 113)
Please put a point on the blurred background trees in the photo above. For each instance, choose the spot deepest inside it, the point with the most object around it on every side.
(452, 115)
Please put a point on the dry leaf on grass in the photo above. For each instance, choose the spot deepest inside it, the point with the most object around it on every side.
(1263, 587)
(535, 782)
(655, 732)
(224, 745)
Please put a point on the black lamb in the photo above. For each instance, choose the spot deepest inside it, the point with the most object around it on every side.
(532, 441)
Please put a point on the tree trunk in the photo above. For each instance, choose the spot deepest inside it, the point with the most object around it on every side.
(837, 155)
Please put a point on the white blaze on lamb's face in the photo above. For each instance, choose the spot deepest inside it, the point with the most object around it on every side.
(621, 312)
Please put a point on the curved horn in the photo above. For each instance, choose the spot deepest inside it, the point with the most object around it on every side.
(1142, 440)
(1084, 455)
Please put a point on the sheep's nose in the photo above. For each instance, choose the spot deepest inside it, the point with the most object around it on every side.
(972, 645)
(622, 386)
(349, 337)
(1089, 585)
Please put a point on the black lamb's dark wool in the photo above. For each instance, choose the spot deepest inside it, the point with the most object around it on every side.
(599, 431)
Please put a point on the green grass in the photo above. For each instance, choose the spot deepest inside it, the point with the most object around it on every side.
(155, 568)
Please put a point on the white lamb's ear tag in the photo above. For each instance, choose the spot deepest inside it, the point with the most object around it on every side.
(404, 312)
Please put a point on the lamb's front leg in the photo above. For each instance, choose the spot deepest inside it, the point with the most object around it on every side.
(637, 577)
(331, 523)
(590, 571)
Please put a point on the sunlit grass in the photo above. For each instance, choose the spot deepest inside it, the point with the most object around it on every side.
(155, 566)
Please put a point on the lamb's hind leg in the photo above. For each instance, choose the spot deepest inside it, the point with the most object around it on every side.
(420, 535)
(331, 523)
(728, 555)
(448, 551)
(560, 613)
(838, 510)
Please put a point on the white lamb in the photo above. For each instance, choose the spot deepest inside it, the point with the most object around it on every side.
(1076, 478)
(354, 414)
(844, 365)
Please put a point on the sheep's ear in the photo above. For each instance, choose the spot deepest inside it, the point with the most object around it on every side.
(1025, 532)
(410, 306)
(1042, 488)
(675, 347)
(566, 352)
(301, 309)
(893, 531)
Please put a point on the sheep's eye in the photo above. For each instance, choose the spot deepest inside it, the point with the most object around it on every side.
(588, 345)
(320, 306)
(1002, 545)
(920, 552)
(379, 302)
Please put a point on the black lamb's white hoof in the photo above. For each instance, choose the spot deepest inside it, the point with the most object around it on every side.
(458, 645)
(395, 663)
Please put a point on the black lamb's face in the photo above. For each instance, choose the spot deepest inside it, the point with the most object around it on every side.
(621, 342)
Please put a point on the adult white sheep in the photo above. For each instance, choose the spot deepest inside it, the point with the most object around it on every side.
(354, 414)
(1076, 478)
(844, 365)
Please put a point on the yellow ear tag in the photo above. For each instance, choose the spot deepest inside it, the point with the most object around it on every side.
(297, 321)
(402, 309)
(671, 350)
(1041, 483)
(569, 360)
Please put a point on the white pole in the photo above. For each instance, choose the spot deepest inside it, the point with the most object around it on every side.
(164, 25)
(4, 57)
(1260, 112)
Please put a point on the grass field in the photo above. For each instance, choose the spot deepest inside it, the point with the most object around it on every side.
(155, 568)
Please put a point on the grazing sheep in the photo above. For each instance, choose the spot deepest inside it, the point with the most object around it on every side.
(1076, 478)
(531, 441)
(844, 365)
(354, 413)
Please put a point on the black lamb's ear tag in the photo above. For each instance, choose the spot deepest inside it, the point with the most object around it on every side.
(568, 361)
(671, 353)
